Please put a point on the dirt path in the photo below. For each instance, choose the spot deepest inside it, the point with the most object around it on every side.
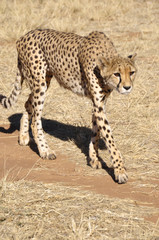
(18, 162)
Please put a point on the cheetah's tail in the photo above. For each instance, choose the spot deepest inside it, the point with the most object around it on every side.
(8, 102)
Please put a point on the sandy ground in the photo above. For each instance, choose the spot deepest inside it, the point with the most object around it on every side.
(24, 163)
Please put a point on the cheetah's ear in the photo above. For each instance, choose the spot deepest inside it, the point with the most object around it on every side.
(102, 63)
(132, 57)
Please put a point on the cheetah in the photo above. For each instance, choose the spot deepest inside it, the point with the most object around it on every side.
(86, 65)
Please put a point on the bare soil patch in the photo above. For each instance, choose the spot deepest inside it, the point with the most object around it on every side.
(19, 163)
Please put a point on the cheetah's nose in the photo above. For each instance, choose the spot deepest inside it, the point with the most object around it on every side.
(126, 87)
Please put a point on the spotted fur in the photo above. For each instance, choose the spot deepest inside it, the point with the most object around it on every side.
(87, 66)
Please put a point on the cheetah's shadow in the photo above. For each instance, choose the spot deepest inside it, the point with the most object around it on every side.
(79, 135)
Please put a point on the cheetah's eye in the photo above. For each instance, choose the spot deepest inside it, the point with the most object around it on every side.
(117, 74)
(131, 73)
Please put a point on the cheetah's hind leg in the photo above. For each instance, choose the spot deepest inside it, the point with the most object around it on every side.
(24, 123)
(38, 98)
(94, 161)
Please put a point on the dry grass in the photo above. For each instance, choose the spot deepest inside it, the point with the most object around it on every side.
(46, 211)
(133, 27)
(72, 16)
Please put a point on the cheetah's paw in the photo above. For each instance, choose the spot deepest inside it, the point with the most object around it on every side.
(50, 155)
(120, 175)
(24, 140)
(95, 164)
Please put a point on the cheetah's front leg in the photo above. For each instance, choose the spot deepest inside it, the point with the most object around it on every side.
(105, 130)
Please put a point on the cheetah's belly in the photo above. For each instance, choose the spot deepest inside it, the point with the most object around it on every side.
(67, 72)
(72, 83)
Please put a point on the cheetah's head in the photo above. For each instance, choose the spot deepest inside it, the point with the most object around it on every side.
(118, 73)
